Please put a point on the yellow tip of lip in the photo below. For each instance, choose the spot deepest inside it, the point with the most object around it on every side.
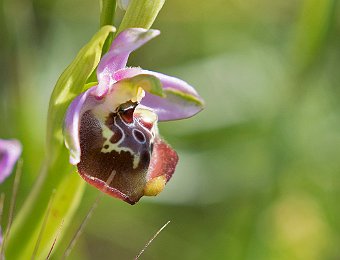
(155, 186)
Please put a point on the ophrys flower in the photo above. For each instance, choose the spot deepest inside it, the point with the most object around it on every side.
(111, 129)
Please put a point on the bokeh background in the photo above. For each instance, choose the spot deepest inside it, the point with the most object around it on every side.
(258, 176)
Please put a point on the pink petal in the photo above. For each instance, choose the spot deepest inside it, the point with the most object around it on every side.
(78, 107)
(10, 151)
(116, 58)
(181, 101)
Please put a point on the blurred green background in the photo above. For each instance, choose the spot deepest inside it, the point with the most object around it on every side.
(258, 176)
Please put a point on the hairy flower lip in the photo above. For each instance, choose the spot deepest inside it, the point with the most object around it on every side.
(162, 153)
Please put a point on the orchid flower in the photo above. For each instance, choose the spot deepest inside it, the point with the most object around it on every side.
(10, 151)
(111, 129)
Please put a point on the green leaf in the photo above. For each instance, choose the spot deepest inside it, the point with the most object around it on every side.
(67, 198)
(57, 173)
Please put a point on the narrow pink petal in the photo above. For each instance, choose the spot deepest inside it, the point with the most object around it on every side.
(116, 58)
(10, 151)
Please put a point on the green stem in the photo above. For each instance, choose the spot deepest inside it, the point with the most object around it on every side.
(141, 14)
(107, 13)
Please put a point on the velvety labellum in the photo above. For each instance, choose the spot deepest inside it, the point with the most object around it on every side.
(116, 152)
